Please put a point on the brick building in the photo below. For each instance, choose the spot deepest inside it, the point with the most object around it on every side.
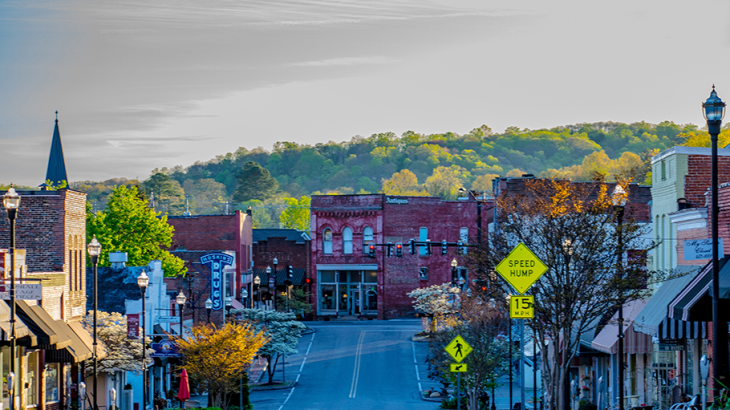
(51, 248)
(290, 248)
(347, 281)
(199, 235)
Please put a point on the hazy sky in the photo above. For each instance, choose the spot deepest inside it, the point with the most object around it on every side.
(141, 84)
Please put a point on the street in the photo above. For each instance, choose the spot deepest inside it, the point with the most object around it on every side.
(354, 365)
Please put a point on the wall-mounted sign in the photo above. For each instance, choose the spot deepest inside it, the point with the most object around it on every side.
(396, 201)
(216, 261)
(700, 249)
(165, 348)
(133, 326)
(23, 291)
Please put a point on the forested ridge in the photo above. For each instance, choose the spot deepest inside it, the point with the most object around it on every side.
(413, 164)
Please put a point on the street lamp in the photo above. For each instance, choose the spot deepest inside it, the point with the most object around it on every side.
(229, 302)
(244, 295)
(11, 201)
(94, 249)
(257, 282)
(181, 299)
(618, 200)
(11, 388)
(714, 111)
(208, 307)
(454, 279)
(82, 395)
(142, 281)
(113, 398)
(273, 292)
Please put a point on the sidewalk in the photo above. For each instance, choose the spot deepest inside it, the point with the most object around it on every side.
(502, 395)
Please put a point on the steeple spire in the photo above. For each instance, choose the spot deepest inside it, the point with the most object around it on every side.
(56, 172)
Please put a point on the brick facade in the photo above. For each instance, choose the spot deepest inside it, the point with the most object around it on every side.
(699, 177)
(380, 284)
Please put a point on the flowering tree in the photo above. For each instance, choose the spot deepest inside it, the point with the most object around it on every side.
(123, 353)
(435, 301)
(281, 328)
(218, 357)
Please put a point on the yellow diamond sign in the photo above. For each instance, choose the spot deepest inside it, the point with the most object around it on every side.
(521, 268)
(458, 348)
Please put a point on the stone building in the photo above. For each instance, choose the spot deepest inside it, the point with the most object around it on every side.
(347, 281)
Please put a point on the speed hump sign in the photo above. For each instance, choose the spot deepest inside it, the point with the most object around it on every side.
(522, 307)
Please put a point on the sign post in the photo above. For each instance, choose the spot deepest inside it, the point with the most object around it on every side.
(458, 349)
(521, 269)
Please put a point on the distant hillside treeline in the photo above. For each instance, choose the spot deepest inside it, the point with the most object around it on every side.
(363, 164)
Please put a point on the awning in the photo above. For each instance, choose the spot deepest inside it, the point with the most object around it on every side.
(607, 340)
(653, 320)
(694, 302)
(21, 330)
(42, 325)
(235, 304)
(88, 339)
(76, 352)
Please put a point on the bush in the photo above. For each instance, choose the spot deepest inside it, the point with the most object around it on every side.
(450, 403)
(586, 405)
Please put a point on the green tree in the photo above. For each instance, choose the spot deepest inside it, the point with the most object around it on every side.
(168, 193)
(444, 182)
(128, 225)
(403, 182)
(296, 214)
(254, 182)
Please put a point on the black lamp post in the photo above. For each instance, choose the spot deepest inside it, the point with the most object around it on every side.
(11, 201)
(618, 200)
(244, 295)
(227, 312)
(257, 282)
(180, 300)
(273, 292)
(94, 249)
(714, 111)
(208, 307)
(142, 281)
(454, 279)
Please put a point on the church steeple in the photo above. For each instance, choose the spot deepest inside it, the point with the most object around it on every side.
(56, 172)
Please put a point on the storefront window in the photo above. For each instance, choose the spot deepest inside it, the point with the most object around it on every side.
(51, 382)
(328, 297)
(32, 379)
(371, 297)
(343, 297)
(348, 292)
(370, 277)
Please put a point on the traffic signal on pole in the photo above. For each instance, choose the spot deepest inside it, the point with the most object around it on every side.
(398, 250)
(390, 249)
(412, 246)
(444, 247)
(428, 247)
(289, 275)
(371, 251)
(462, 248)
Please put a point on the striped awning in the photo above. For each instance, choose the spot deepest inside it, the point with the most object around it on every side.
(634, 342)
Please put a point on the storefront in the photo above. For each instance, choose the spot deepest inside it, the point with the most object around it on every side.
(347, 290)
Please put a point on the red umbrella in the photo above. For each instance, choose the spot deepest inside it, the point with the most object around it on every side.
(184, 392)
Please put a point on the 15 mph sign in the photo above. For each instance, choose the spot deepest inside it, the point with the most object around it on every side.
(521, 268)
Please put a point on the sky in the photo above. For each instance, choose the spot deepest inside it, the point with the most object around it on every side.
(140, 85)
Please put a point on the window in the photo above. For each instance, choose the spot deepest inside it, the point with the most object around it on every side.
(664, 171)
(31, 380)
(51, 382)
(347, 240)
(423, 237)
(367, 239)
(327, 241)
(464, 238)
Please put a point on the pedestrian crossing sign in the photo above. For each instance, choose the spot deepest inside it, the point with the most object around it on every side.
(458, 348)
(458, 367)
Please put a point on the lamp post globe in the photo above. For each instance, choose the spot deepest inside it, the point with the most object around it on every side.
(11, 202)
(143, 281)
(713, 110)
(180, 300)
(208, 307)
(94, 249)
(257, 282)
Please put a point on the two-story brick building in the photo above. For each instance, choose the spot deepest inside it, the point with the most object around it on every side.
(347, 281)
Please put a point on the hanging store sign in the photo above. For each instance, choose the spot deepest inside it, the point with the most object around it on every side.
(216, 261)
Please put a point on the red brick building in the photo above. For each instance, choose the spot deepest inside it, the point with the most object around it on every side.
(347, 281)
(290, 248)
(198, 235)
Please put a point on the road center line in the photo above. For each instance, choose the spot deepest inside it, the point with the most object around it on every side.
(302, 366)
(310, 346)
(413, 344)
(312, 339)
(356, 370)
(298, 377)
(287, 397)
(418, 376)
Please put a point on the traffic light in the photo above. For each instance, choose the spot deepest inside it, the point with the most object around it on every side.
(289, 275)
(398, 250)
(371, 252)
(462, 248)
(412, 246)
(390, 249)
(444, 247)
(481, 284)
(428, 247)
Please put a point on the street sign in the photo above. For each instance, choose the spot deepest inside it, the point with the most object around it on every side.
(23, 291)
(458, 349)
(169, 319)
(522, 307)
(521, 268)
(458, 367)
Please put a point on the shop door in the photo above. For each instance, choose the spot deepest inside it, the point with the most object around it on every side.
(355, 302)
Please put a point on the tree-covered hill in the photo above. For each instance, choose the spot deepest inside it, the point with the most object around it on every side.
(436, 164)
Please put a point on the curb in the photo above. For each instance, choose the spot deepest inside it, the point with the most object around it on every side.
(264, 387)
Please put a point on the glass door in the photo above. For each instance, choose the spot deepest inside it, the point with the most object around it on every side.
(355, 302)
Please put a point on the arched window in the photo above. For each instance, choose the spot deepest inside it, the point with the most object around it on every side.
(367, 238)
(327, 240)
(347, 240)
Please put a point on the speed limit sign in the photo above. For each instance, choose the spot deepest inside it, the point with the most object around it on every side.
(522, 307)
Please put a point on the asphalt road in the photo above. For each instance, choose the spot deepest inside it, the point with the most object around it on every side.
(354, 365)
